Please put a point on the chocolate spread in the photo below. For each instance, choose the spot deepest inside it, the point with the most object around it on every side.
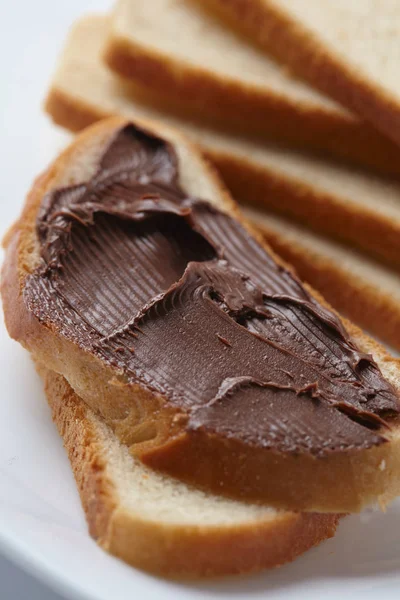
(180, 297)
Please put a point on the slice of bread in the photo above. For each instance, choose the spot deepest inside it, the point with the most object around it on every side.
(348, 50)
(341, 481)
(178, 50)
(156, 523)
(346, 203)
(357, 287)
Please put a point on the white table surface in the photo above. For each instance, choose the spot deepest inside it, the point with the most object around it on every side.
(31, 35)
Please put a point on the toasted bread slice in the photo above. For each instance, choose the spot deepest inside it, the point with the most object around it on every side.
(156, 523)
(349, 204)
(359, 288)
(178, 50)
(348, 50)
(340, 481)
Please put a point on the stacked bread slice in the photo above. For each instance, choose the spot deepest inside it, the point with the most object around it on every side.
(182, 52)
(161, 525)
(318, 182)
(349, 50)
(150, 520)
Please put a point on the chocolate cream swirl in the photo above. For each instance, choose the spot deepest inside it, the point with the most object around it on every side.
(181, 298)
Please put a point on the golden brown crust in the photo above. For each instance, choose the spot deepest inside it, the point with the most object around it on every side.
(84, 452)
(344, 482)
(226, 98)
(168, 549)
(340, 483)
(269, 114)
(71, 112)
(293, 44)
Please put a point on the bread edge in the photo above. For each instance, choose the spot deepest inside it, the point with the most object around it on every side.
(162, 548)
(301, 50)
(340, 135)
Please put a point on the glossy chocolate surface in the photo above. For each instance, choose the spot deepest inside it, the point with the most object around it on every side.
(179, 296)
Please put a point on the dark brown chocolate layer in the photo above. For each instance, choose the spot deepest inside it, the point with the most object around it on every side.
(180, 296)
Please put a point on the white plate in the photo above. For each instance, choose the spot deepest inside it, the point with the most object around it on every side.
(41, 521)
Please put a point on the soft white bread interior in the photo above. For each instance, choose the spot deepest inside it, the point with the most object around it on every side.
(180, 51)
(348, 50)
(341, 482)
(350, 204)
(156, 523)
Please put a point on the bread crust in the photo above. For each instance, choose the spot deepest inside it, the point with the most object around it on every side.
(174, 550)
(72, 113)
(292, 43)
(270, 114)
(342, 482)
